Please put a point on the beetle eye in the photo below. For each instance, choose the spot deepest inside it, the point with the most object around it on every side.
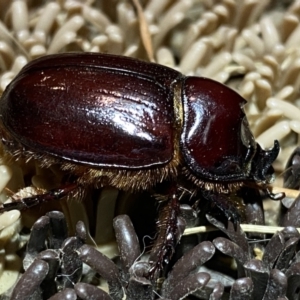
(248, 140)
(246, 134)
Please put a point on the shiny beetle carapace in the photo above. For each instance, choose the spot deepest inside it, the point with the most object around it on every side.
(117, 121)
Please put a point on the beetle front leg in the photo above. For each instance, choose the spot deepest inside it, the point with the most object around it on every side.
(229, 205)
(28, 202)
(170, 228)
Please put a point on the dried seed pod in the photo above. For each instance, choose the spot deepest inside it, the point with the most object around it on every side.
(290, 211)
(127, 240)
(37, 240)
(186, 265)
(71, 264)
(29, 283)
(293, 276)
(66, 294)
(104, 266)
(231, 249)
(291, 175)
(58, 229)
(242, 289)
(49, 284)
(276, 286)
(188, 285)
(259, 275)
(87, 291)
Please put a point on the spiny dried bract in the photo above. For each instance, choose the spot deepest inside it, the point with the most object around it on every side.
(270, 271)
(134, 275)
(51, 257)
(57, 271)
(270, 267)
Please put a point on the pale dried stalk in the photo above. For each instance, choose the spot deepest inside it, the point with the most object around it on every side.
(244, 227)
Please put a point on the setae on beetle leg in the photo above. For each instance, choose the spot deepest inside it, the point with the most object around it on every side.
(170, 229)
(28, 202)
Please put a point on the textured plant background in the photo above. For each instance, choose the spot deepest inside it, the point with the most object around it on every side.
(253, 46)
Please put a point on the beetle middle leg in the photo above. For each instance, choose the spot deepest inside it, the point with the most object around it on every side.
(28, 202)
(170, 228)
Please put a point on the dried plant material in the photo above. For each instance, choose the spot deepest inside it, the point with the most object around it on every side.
(144, 30)
(268, 273)
(252, 46)
(60, 269)
(292, 193)
(242, 289)
(9, 218)
(28, 285)
(244, 227)
(292, 173)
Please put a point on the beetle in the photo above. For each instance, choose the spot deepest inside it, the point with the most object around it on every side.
(117, 121)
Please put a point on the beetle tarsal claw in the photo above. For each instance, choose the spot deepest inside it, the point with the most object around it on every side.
(274, 196)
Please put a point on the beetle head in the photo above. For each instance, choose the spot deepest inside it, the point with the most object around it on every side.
(216, 141)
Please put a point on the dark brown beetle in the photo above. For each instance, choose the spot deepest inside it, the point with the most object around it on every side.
(118, 121)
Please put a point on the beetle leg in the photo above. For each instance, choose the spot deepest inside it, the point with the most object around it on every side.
(170, 228)
(28, 202)
(232, 209)
(277, 196)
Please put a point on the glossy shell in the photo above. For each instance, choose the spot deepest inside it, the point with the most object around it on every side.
(216, 140)
(98, 110)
